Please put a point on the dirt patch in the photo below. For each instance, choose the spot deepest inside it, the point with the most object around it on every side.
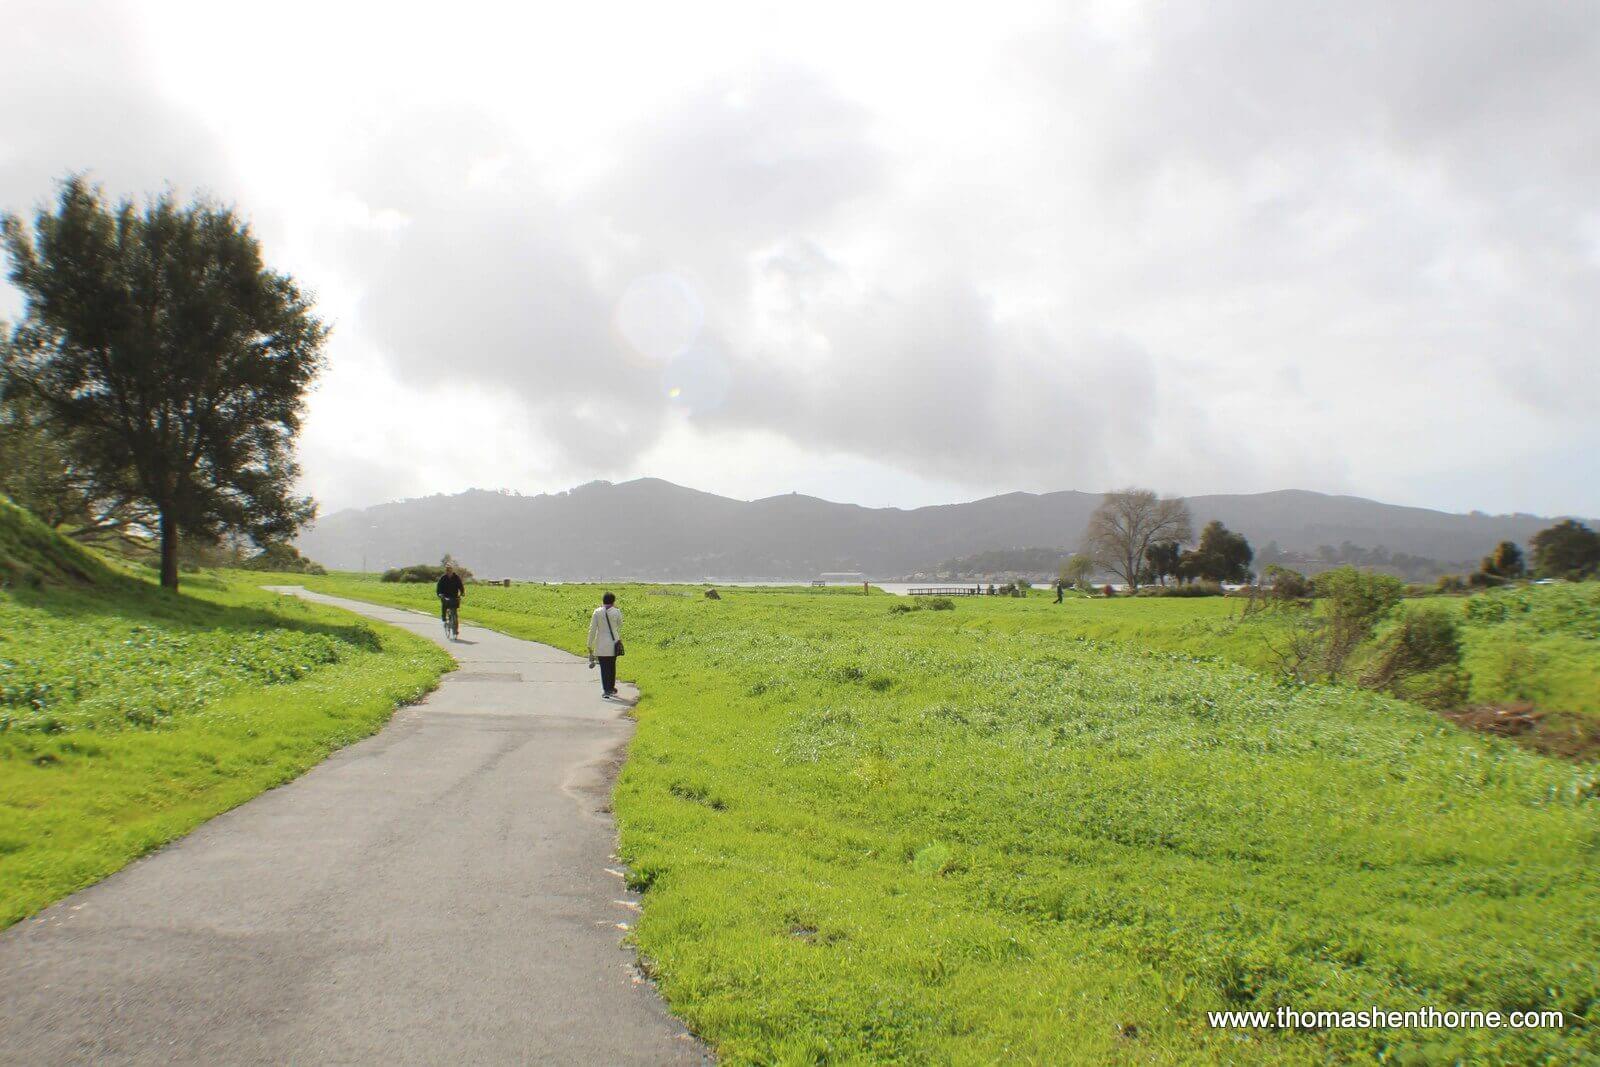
(1552, 733)
(590, 783)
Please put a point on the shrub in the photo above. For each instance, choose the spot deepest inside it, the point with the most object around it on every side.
(1450, 583)
(421, 572)
(935, 603)
(1356, 602)
(1286, 583)
(1420, 659)
(1314, 645)
(1203, 587)
(1280, 589)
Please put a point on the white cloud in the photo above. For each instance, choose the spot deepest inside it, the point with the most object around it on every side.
(761, 247)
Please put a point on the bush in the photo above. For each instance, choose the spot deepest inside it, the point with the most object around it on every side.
(1420, 659)
(1203, 587)
(923, 603)
(1450, 583)
(1484, 580)
(1356, 602)
(1318, 646)
(423, 572)
(1286, 583)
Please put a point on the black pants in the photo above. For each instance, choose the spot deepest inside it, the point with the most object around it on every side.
(608, 673)
(445, 604)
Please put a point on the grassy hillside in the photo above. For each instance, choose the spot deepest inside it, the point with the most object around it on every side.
(1539, 644)
(32, 554)
(978, 835)
(129, 715)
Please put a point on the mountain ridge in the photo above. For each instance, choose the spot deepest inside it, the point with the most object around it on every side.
(653, 528)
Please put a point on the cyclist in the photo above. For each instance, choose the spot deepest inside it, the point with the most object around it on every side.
(450, 588)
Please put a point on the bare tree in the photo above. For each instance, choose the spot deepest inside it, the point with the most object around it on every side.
(1127, 523)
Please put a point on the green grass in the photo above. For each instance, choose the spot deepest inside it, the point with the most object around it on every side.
(1538, 644)
(128, 716)
(32, 554)
(988, 834)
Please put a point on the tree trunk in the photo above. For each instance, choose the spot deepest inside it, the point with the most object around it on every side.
(169, 552)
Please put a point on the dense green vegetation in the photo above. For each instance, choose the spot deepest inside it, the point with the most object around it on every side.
(129, 715)
(985, 834)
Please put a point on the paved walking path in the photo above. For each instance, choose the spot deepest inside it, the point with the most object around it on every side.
(437, 893)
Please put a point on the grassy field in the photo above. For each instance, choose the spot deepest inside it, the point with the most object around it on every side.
(128, 716)
(994, 834)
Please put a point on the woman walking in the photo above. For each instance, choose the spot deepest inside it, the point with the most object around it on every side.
(605, 641)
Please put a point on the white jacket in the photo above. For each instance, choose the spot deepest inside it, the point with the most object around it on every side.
(600, 638)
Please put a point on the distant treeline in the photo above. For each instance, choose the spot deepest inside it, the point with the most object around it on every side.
(1048, 561)
(1004, 561)
(1327, 557)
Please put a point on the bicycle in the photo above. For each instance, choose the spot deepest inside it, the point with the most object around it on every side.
(452, 619)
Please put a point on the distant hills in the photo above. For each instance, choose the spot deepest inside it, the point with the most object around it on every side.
(651, 528)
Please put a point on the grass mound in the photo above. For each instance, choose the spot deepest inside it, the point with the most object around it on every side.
(32, 554)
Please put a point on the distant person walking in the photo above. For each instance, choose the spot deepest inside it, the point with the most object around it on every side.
(605, 641)
(1061, 589)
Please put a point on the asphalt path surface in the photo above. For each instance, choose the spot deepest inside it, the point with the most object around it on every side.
(443, 892)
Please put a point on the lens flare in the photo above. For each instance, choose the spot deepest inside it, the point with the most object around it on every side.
(698, 379)
(660, 317)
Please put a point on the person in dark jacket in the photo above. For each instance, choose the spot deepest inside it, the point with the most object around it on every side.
(450, 588)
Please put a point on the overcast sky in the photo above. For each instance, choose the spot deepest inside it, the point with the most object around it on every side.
(884, 254)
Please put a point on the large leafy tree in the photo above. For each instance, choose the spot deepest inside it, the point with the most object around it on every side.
(1221, 556)
(1163, 559)
(173, 363)
(1126, 524)
(1504, 562)
(1569, 549)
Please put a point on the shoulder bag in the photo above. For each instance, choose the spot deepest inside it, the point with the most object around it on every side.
(617, 645)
